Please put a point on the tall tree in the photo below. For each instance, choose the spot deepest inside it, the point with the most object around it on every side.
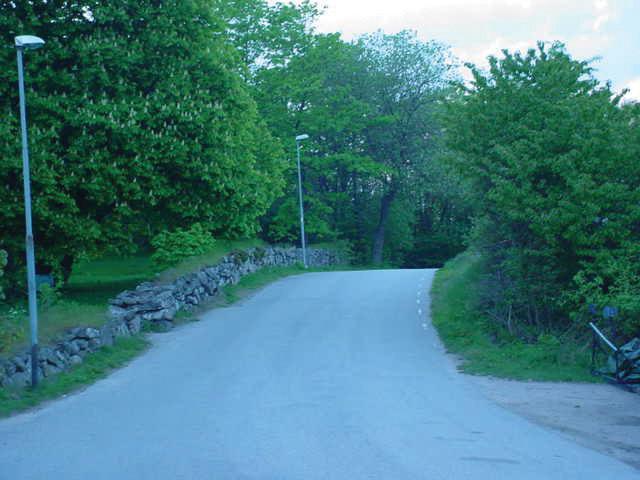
(140, 122)
(267, 34)
(408, 78)
(321, 93)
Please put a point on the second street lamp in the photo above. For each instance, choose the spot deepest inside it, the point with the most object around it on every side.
(299, 138)
(28, 42)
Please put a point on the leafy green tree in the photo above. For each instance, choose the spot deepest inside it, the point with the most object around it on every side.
(443, 211)
(267, 34)
(321, 94)
(408, 79)
(372, 128)
(3, 263)
(139, 123)
(173, 247)
(553, 161)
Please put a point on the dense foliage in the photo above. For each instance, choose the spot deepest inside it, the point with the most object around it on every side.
(171, 247)
(139, 122)
(369, 166)
(553, 159)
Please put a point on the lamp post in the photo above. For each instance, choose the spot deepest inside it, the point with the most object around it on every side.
(28, 42)
(299, 138)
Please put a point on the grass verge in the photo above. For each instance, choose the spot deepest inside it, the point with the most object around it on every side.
(93, 368)
(255, 281)
(467, 332)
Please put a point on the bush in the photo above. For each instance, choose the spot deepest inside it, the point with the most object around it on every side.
(48, 296)
(12, 327)
(173, 247)
(552, 157)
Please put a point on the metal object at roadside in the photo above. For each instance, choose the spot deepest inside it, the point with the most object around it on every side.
(299, 138)
(623, 363)
(22, 43)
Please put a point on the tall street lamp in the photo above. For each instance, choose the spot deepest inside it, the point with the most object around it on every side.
(28, 42)
(299, 138)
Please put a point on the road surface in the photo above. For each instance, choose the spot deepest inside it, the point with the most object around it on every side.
(319, 376)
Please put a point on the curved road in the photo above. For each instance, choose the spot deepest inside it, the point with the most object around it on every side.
(319, 376)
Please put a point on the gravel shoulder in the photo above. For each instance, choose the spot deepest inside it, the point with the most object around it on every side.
(599, 416)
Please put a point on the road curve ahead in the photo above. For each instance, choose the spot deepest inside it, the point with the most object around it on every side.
(319, 376)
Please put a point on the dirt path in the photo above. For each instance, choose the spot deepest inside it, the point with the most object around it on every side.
(602, 417)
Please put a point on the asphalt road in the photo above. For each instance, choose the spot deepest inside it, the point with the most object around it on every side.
(320, 376)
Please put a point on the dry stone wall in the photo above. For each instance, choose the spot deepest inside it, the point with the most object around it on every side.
(153, 304)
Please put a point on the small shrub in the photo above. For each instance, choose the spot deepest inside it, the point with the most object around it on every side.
(12, 327)
(173, 247)
(48, 296)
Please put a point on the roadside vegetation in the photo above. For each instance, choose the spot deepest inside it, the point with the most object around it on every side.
(486, 348)
(550, 155)
(253, 282)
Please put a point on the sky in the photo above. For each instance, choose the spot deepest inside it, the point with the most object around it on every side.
(474, 29)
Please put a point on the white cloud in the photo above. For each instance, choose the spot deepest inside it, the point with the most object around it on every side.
(477, 28)
(601, 4)
(634, 90)
(604, 13)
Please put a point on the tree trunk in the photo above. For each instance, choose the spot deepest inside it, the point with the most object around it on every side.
(378, 235)
(66, 266)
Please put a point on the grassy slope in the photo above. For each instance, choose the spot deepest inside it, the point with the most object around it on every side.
(465, 331)
(221, 248)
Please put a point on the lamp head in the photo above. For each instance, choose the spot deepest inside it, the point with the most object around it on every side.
(304, 136)
(29, 42)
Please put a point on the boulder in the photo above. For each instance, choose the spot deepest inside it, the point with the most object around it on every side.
(70, 347)
(75, 359)
(134, 325)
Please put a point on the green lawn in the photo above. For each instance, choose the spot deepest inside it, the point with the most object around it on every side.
(93, 282)
(83, 301)
(465, 331)
(221, 248)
